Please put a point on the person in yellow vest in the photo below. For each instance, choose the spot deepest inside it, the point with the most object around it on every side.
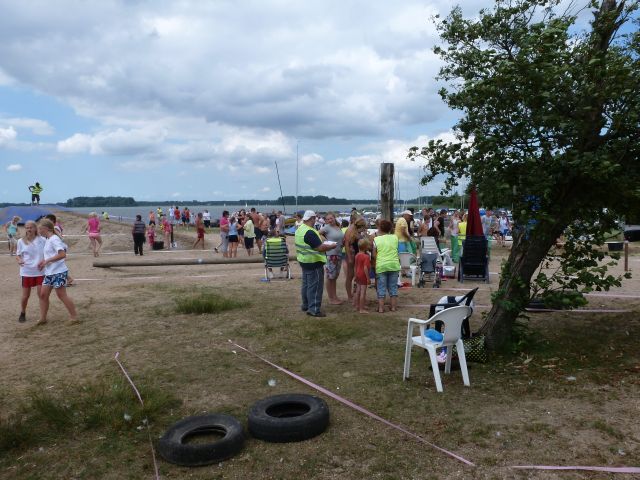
(35, 190)
(311, 257)
(462, 233)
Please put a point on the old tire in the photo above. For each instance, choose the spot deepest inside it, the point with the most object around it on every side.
(172, 447)
(288, 418)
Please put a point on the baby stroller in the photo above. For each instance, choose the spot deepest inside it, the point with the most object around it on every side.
(430, 266)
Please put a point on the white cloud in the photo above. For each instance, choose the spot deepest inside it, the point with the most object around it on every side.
(5, 79)
(37, 126)
(311, 159)
(113, 142)
(7, 135)
(307, 69)
(221, 90)
(14, 167)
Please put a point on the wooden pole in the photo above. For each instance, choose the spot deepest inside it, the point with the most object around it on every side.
(163, 262)
(626, 255)
(386, 191)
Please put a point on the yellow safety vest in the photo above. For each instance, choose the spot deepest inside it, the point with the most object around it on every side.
(304, 253)
(462, 236)
(36, 190)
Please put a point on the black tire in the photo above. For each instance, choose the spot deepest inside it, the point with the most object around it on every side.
(288, 418)
(172, 447)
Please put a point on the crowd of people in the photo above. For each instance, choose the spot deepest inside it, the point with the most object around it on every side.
(326, 246)
(371, 257)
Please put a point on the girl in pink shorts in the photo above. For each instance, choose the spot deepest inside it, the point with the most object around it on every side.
(93, 229)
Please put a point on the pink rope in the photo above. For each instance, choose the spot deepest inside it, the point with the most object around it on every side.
(354, 406)
(420, 439)
(137, 392)
(587, 469)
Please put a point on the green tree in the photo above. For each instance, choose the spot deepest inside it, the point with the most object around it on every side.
(551, 124)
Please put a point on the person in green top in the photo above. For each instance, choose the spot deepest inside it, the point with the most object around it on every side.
(249, 235)
(311, 257)
(387, 261)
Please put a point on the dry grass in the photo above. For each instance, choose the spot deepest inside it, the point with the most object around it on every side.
(517, 411)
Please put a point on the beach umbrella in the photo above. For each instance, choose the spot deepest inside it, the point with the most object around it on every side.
(474, 223)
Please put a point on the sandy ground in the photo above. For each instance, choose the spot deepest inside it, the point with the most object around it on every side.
(119, 287)
(113, 304)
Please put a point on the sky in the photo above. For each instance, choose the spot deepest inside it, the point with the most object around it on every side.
(197, 100)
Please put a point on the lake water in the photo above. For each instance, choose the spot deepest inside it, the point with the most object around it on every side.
(128, 214)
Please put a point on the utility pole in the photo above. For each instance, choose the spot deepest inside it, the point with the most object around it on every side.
(297, 170)
(386, 191)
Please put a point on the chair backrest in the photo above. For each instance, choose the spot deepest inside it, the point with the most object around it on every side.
(452, 319)
(428, 261)
(467, 298)
(475, 250)
(428, 244)
(276, 252)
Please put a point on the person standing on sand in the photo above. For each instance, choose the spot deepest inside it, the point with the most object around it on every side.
(387, 261)
(93, 229)
(199, 231)
(233, 237)
(57, 229)
(224, 233)
(310, 253)
(249, 235)
(138, 232)
(354, 232)
(30, 254)
(12, 234)
(176, 215)
(151, 235)
(362, 269)
(332, 232)
(167, 228)
(206, 218)
(255, 217)
(55, 272)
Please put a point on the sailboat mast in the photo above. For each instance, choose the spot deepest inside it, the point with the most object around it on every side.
(284, 209)
(297, 172)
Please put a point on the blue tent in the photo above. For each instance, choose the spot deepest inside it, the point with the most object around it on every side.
(27, 212)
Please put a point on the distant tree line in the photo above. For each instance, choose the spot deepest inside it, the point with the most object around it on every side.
(429, 200)
(100, 202)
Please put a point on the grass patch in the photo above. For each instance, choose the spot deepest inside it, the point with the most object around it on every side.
(47, 416)
(206, 303)
(608, 429)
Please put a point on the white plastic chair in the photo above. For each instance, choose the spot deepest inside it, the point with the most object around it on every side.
(452, 319)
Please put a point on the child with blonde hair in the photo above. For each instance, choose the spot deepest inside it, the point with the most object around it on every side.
(30, 253)
(55, 272)
(362, 269)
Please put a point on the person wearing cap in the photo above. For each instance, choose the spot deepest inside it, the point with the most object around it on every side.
(311, 257)
(405, 243)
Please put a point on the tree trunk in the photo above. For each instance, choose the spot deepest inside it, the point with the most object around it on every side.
(513, 295)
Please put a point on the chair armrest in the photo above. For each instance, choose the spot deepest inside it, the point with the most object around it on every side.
(417, 321)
